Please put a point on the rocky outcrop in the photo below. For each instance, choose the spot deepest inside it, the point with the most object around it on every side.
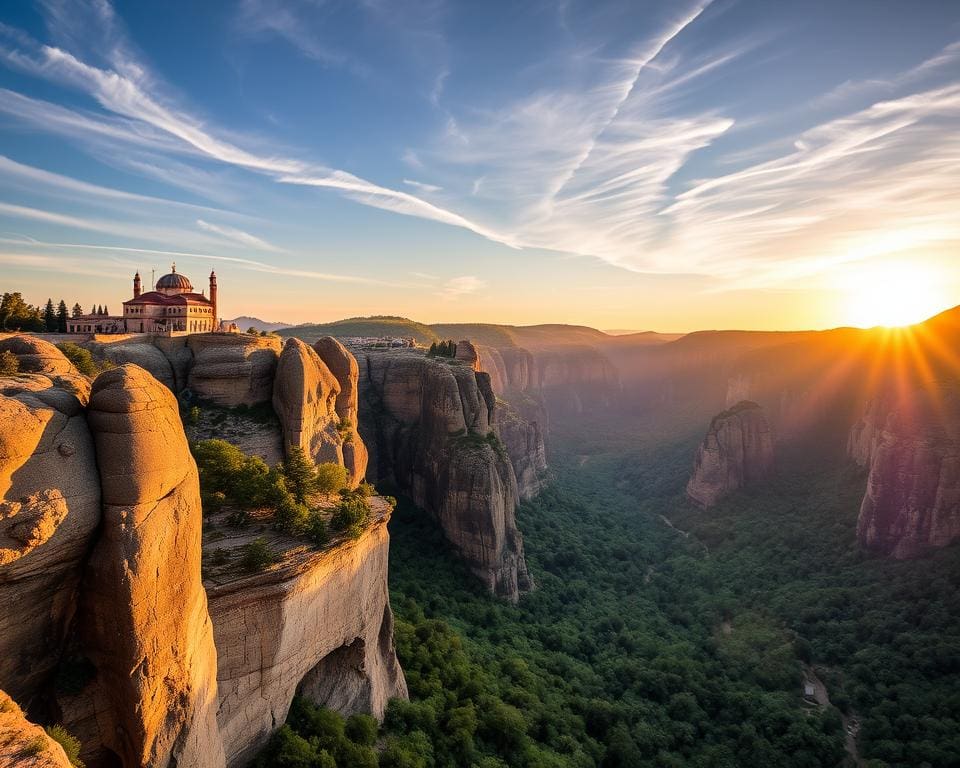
(50, 508)
(430, 421)
(736, 452)
(304, 399)
(323, 629)
(144, 622)
(23, 744)
(522, 438)
(343, 366)
(36, 355)
(231, 369)
(141, 351)
(912, 500)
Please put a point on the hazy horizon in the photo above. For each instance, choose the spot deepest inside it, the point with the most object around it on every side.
(672, 167)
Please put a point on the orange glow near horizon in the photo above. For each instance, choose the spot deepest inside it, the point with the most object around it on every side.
(891, 294)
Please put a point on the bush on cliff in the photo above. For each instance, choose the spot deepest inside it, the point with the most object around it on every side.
(300, 473)
(69, 742)
(351, 514)
(257, 556)
(82, 359)
(330, 477)
(315, 737)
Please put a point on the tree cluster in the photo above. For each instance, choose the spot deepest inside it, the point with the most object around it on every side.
(446, 348)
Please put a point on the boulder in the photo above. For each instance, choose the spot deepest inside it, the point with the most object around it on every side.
(36, 355)
(736, 452)
(49, 512)
(139, 351)
(144, 623)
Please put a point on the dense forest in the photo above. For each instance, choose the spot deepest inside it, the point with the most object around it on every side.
(661, 635)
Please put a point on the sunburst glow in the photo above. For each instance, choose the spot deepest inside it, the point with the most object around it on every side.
(891, 294)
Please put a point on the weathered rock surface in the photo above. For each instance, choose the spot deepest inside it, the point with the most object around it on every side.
(431, 423)
(140, 351)
(50, 508)
(736, 452)
(145, 625)
(323, 629)
(23, 744)
(232, 369)
(522, 438)
(304, 399)
(36, 355)
(912, 500)
(343, 366)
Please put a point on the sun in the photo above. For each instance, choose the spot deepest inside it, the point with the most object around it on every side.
(891, 294)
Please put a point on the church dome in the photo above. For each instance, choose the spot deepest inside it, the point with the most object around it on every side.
(174, 281)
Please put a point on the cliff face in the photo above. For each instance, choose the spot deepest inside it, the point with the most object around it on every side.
(737, 451)
(49, 509)
(431, 422)
(100, 539)
(323, 629)
(233, 369)
(144, 623)
(912, 500)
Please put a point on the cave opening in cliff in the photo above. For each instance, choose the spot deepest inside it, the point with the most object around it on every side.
(339, 680)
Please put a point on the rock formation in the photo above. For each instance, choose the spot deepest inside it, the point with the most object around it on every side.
(428, 424)
(304, 399)
(912, 500)
(23, 744)
(343, 366)
(736, 452)
(50, 507)
(232, 369)
(144, 622)
(323, 629)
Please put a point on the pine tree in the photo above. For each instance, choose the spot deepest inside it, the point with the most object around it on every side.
(105, 310)
(49, 317)
(77, 310)
(93, 309)
(453, 348)
(300, 472)
(99, 309)
(433, 349)
(62, 317)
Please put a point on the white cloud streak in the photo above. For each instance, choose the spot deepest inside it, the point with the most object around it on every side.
(236, 235)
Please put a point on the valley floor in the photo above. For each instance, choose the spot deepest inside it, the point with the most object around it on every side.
(661, 635)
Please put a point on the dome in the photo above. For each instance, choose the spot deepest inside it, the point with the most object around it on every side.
(174, 281)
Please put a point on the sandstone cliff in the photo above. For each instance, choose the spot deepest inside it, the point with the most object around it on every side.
(912, 500)
(232, 369)
(100, 538)
(428, 423)
(736, 452)
(49, 509)
(144, 623)
(320, 626)
(23, 744)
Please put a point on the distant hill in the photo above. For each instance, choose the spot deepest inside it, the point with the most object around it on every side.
(243, 322)
(376, 326)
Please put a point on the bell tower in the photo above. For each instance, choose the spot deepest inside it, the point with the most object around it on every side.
(136, 286)
(213, 299)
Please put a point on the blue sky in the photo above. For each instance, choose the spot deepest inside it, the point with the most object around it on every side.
(668, 165)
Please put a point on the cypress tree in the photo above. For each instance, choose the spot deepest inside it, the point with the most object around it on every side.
(62, 317)
(77, 310)
(105, 310)
(49, 317)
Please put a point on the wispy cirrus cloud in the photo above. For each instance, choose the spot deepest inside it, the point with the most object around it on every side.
(236, 235)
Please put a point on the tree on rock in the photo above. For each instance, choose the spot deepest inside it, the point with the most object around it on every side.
(300, 472)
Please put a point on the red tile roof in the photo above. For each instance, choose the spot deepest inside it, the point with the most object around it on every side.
(154, 297)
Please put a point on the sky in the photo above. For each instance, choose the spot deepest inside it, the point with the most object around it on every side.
(664, 166)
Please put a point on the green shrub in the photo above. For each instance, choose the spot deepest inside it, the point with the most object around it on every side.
(257, 556)
(193, 417)
(351, 515)
(292, 517)
(362, 729)
(9, 363)
(317, 528)
(81, 358)
(70, 744)
(330, 477)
